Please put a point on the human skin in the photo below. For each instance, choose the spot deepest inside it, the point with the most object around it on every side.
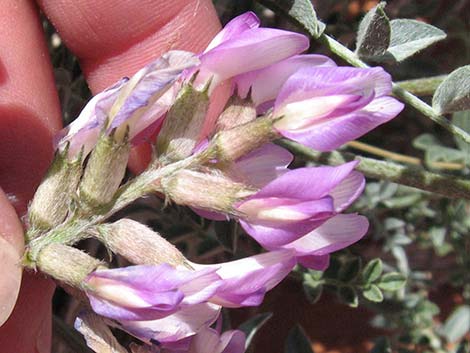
(111, 39)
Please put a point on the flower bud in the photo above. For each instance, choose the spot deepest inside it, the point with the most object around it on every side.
(104, 172)
(139, 244)
(66, 264)
(51, 202)
(183, 124)
(326, 107)
(238, 111)
(238, 141)
(213, 192)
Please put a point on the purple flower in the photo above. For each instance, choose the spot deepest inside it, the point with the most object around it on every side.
(255, 169)
(147, 292)
(100, 338)
(246, 281)
(84, 131)
(184, 323)
(135, 103)
(140, 102)
(168, 304)
(210, 341)
(261, 166)
(207, 340)
(266, 83)
(325, 107)
(297, 202)
(281, 215)
(242, 47)
(312, 250)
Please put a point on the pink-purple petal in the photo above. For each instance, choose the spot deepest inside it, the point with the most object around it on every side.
(335, 234)
(150, 83)
(168, 302)
(206, 340)
(315, 262)
(305, 115)
(266, 83)
(235, 27)
(183, 323)
(83, 131)
(251, 50)
(273, 211)
(233, 341)
(246, 281)
(209, 340)
(295, 203)
(148, 292)
(324, 81)
(273, 237)
(148, 277)
(334, 132)
(262, 165)
(201, 289)
(149, 119)
(306, 183)
(348, 191)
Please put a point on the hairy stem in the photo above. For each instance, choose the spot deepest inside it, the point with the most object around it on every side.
(422, 86)
(413, 176)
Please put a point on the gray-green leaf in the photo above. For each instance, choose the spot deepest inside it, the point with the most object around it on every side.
(457, 324)
(372, 271)
(373, 36)
(426, 141)
(404, 201)
(300, 11)
(251, 326)
(373, 293)
(392, 281)
(409, 37)
(443, 154)
(297, 341)
(453, 94)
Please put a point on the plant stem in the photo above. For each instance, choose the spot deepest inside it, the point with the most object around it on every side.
(361, 146)
(340, 50)
(428, 111)
(422, 86)
(413, 176)
(405, 96)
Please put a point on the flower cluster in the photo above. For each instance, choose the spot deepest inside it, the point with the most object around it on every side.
(222, 168)
(171, 301)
